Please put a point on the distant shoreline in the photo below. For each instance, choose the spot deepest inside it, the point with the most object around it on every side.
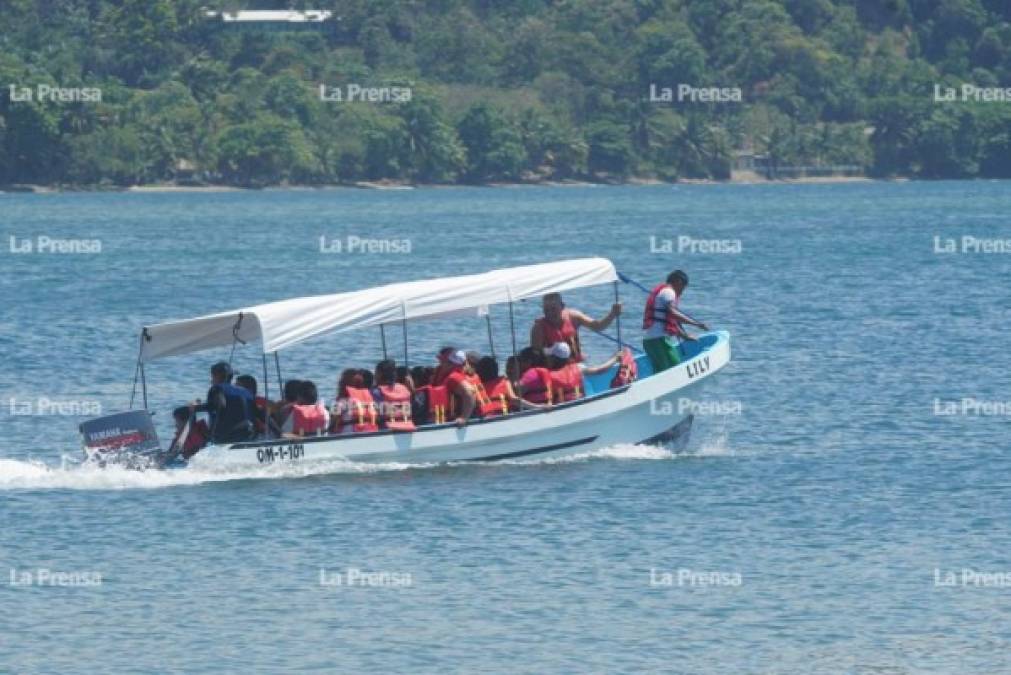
(748, 179)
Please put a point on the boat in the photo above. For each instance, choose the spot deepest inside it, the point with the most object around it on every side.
(646, 410)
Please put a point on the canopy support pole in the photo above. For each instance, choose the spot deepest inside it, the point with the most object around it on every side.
(403, 325)
(235, 339)
(280, 380)
(491, 342)
(136, 376)
(512, 333)
(266, 382)
(617, 299)
(382, 336)
(143, 384)
(138, 372)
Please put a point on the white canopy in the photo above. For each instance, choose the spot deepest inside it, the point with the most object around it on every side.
(281, 324)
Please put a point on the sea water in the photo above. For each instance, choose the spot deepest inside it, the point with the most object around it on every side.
(842, 506)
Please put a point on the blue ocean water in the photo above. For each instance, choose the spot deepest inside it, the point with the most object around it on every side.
(842, 507)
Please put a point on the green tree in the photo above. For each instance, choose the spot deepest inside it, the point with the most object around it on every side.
(494, 148)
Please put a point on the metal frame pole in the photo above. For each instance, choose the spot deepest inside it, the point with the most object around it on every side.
(617, 299)
(491, 342)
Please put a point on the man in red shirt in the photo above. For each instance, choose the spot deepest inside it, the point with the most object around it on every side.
(560, 324)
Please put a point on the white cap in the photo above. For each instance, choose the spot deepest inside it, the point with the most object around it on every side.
(560, 350)
(458, 357)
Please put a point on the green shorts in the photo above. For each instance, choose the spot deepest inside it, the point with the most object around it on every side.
(663, 353)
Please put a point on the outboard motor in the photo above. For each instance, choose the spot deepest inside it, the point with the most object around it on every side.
(127, 438)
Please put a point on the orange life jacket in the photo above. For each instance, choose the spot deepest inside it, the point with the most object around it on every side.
(397, 407)
(497, 392)
(360, 413)
(652, 314)
(540, 393)
(567, 383)
(308, 420)
(628, 371)
(438, 403)
(565, 333)
(480, 395)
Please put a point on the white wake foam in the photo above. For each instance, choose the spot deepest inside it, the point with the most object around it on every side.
(34, 475)
(72, 475)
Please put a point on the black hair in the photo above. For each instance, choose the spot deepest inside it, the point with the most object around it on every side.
(403, 372)
(367, 378)
(534, 357)
(182, 413)
(421, 375)
(677, 275)
(512, 367)
(246, 382)
(307, 393)
(386, 371)
(222, 369)
(291, 390)
(487, 368)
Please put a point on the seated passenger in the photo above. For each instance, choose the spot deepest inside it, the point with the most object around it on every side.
(368, 379)
(567, 375)
(444, 367)
(396, 398)
(460, 388)
(282, 409)
(512, 370)
(535, 380)
(260, 404)
(499, 395)
(421, 378)
(405, 378)
(627, 371)
(354, 411)
(229, 408)
(309, 416)
(196, 435)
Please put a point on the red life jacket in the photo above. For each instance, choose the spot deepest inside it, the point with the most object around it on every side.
(540, 393)
(308, 420)
(261, 404)
(652, 314)
(195, 439)
(442, 371)
(566, 333)
(567, 383)
(497, 392)
(628, 371)
(438, 403)
(397, 407)
(360, 414)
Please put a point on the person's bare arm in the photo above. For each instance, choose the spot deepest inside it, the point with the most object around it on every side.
(684, 319)
(536, 337)
(580, 319)
(519, 403)
(469, 400)
(600, 368)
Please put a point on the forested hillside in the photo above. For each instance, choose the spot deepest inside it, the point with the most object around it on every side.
(501, 90)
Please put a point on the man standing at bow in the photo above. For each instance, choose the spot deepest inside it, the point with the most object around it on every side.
(663, 322)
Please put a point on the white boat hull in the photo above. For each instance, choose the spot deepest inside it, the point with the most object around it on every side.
(637, 413)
